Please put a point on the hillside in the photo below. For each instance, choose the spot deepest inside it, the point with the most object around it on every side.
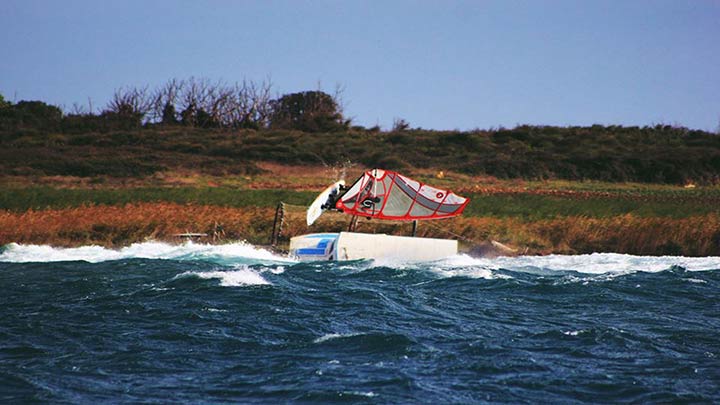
(661, 154)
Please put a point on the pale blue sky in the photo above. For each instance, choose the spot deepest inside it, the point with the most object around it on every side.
(437, 64)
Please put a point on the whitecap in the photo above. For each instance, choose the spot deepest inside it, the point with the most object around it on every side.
(455, 266)
(230, 278)
(368, 394)
(465, 266)
(224, 253)
(595, 263)
(469, 272)
(331, 336)
(214, 310)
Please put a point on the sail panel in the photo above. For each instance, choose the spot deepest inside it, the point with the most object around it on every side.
(399, 204)
(385, 194)
(418, 211)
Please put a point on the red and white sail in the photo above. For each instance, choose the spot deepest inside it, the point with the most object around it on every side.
(385, 194)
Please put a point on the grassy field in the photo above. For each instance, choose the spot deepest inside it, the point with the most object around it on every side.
(523, 204)
(45, 197)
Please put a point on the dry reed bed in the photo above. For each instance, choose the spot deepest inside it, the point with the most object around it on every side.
(122, 225)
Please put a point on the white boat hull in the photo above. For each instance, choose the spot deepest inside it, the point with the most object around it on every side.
(354, 246)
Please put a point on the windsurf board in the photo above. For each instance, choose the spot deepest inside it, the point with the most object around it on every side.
(315, 209)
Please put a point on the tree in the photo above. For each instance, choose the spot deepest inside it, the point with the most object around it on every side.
(30, 114)
(4, 103)
(204, 119)
(310, 111)
(400, 124)
(164, 102)
(187, 116)
(169, 115)
(128, 107)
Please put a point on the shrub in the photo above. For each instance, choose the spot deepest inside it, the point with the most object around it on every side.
(310, 111)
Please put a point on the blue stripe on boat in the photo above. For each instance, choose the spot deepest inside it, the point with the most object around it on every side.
(319, 250)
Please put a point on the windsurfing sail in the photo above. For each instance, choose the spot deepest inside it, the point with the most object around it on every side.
(385, 194)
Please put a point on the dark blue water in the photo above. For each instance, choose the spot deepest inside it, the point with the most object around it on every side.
(205, 326)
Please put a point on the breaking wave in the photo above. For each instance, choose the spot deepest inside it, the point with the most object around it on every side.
(244, 254)
(596, 263)
(224, 253)
(231, 278)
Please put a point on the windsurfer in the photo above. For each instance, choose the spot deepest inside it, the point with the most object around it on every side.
(334, 197)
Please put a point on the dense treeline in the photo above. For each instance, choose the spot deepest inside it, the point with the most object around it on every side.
(309, 128)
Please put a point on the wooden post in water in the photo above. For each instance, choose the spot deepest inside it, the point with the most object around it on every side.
(353, 223)
(277, 224)
(414, 231)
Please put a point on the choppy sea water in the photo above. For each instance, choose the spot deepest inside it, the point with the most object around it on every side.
(231, 323)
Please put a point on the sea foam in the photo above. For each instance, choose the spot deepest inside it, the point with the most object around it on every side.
(461, 265)
(223, 253)
(596, 263)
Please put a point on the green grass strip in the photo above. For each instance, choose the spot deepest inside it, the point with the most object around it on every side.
(525, 206)
(21, 199)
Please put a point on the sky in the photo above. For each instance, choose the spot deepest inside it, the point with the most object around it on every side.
(436, 64)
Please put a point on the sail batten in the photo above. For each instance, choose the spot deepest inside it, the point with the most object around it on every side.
(385, 194)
